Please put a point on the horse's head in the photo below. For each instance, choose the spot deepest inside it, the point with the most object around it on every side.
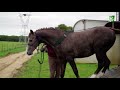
(33, 42)
(50, 36)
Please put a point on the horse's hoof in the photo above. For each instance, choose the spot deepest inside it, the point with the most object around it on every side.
(93, 76)
(99, 75)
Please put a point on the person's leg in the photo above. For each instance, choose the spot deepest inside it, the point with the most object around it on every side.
(52, 66)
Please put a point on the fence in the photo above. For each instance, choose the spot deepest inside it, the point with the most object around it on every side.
(7, 46)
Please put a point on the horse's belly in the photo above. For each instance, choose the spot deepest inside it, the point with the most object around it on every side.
(79, 53)
(83, 54)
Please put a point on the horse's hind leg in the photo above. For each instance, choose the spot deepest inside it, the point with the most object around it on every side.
(107, 63)
(100, 60)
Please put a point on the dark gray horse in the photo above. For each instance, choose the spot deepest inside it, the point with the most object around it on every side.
(97, 40)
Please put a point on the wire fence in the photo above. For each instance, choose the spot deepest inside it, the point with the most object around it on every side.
(7, 46)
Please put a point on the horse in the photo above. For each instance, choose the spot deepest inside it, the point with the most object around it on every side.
(96, 40)
(58, 66)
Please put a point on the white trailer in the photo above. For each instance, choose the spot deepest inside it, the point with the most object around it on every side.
(86, 23)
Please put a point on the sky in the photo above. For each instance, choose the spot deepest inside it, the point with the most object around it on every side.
(11, 24)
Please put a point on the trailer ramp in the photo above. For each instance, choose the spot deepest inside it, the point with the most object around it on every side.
(112, 73)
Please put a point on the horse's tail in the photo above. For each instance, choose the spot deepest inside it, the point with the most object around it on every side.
(115, 27)
(117, 31)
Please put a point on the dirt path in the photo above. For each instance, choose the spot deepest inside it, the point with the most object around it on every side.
(9, 65)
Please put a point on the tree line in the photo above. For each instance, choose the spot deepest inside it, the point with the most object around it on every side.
(9, 38)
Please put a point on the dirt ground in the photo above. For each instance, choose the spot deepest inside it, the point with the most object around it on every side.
(10, 65)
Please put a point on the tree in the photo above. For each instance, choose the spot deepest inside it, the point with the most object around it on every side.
(64, 27)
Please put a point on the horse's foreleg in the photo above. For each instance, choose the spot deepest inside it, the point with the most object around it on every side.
(63, 69)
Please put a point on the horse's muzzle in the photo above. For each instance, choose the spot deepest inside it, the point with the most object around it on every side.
(28, 53)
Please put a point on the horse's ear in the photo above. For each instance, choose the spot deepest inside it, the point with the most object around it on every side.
(31, 31)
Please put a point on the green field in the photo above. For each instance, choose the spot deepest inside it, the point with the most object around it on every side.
(7, 48)
(32, 67)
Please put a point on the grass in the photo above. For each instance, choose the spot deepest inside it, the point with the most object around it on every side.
(7, 48)
(32, 67)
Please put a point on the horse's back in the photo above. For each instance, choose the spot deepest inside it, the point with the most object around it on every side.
(95, 33)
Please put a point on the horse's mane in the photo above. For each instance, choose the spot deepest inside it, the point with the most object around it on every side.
(50, 28)
(55, 29)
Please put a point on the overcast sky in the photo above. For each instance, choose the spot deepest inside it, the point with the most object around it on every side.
(10, 22)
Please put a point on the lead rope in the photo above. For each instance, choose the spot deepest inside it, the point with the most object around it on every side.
(40, 61)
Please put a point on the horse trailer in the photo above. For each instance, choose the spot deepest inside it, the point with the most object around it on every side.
(113, 53)
(85, 24)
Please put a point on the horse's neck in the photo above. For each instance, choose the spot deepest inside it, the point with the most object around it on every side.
(50, 37)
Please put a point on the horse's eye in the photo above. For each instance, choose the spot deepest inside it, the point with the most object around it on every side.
(30, 40)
